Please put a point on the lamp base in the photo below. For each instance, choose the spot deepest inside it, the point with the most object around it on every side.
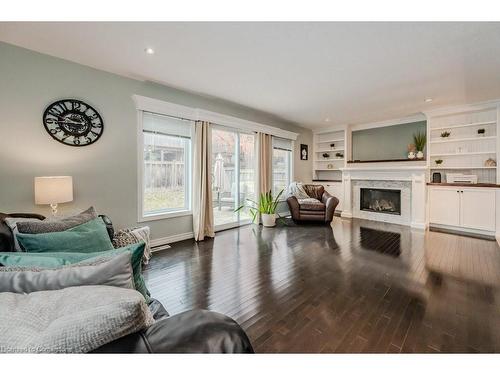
(54, 209)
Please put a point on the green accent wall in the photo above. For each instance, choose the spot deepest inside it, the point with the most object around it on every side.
(386, 143)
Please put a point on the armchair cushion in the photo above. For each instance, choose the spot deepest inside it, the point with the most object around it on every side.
(311, 204)
(314, 191)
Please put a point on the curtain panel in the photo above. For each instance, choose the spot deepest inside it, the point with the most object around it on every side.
(265, 157)
(203, 215)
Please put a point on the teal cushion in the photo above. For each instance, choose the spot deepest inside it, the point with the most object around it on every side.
(84, 238)
(58, 259)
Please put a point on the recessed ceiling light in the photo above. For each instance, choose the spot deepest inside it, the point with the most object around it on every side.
(428, 100)
(149, 51)
(327, 119)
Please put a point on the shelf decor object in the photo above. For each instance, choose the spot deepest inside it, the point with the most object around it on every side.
(412, 151)
(445, 134)
(490, 163)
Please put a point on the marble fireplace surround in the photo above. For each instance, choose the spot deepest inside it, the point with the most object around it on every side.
(409, 179)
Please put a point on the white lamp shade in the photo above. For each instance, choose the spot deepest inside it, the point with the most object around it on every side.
(53, 190)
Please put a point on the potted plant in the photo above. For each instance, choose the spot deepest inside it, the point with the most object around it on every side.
(445, 134)
(339, 155)
(332, 145)
(266, 207)
(481, 132)
(326, 155)
(438, 161)
(411, 151)
(419, 139)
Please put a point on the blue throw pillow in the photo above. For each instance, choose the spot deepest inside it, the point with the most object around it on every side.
(66, 257)
(85, 238)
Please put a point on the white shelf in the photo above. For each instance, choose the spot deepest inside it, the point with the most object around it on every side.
(444, 167)
(339, 159)
(465, 125)
(326, 169)
(464, 153)
(330, 150)
(332, 140)
(464, 139)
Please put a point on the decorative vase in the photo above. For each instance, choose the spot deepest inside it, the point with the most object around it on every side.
(411, 155)
(420, 155)
(268, 220)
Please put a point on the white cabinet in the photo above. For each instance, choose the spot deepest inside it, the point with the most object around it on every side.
(445, 206)
(478, 209)
(335, 189)
(463, 207)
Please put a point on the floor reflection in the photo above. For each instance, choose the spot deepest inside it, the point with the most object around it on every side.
(383, 242)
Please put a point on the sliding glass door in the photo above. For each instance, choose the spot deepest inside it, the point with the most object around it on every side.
(233, 175)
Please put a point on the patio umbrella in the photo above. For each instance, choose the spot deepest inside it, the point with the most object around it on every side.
(219, 172)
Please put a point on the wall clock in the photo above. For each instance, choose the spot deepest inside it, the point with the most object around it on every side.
(73, 122)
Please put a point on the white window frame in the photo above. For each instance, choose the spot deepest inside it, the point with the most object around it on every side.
(140, 178)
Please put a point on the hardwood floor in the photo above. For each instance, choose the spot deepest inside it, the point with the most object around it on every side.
(357, 286)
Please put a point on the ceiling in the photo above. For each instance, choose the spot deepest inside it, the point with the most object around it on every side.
(314, 74)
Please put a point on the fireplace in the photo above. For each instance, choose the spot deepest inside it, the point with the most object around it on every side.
(384, 201)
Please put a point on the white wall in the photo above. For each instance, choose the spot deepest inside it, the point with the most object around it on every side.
(104, 173)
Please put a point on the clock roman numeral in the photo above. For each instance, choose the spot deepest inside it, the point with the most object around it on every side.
(54, 111)
(62, 106)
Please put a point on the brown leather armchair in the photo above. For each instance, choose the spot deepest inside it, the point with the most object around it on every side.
(320, 208)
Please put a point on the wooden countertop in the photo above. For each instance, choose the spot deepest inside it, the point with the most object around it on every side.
(480, 185)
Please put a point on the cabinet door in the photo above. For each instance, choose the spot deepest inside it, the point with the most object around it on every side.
(444, 206)
(336, 189)
(478, 209)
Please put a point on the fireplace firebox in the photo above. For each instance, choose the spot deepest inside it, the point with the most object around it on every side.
(384, 201)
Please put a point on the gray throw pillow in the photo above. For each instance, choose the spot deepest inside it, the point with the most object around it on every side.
(56, 225)
(12, 224)
(112, 271)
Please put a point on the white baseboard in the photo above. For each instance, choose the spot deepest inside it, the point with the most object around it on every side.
(422, 226)
(171, 239)
(346, 214)
(460, 230)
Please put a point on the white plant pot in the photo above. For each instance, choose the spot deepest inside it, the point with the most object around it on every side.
(411, 155)
(420, 155)
(268, 220)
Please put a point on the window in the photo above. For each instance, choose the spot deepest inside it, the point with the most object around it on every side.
(166, 165)
(233, 174)
(282, 164)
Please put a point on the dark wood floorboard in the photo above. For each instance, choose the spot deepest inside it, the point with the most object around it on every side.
(356, 286)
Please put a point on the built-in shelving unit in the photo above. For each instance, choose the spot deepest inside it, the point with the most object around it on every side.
(472, 140)
(333, 143)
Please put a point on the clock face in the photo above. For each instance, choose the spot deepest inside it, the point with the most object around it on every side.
(73, 122)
